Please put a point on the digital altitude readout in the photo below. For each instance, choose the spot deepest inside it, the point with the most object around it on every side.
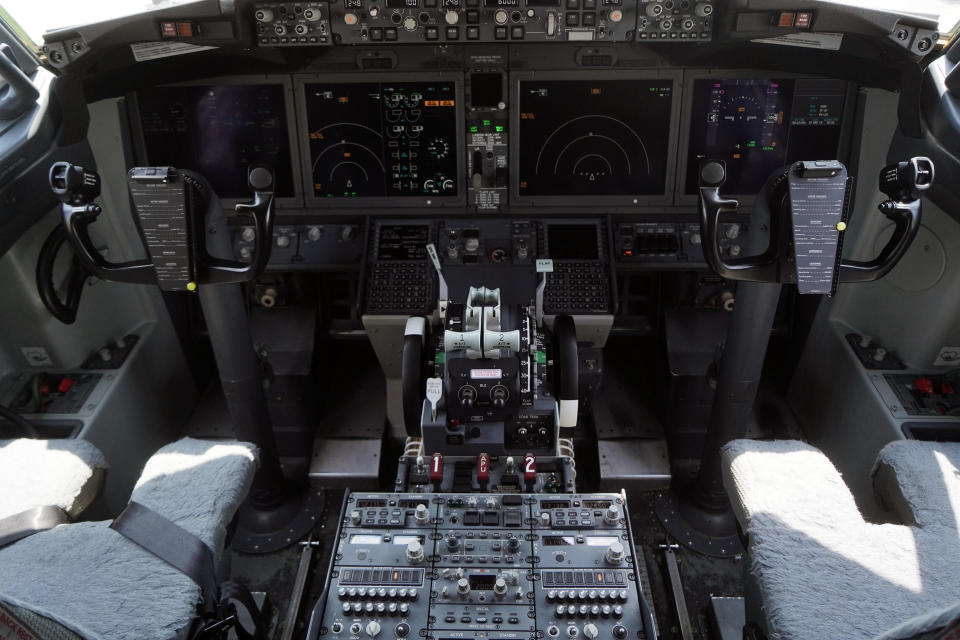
(382, 139)
(594, 137)
(757, 126)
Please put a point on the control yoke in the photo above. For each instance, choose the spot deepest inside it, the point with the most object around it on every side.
(171, 206)
(807, 205)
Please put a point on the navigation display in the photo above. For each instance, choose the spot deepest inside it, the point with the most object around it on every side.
(382, 139)
(594, 137)
(760, 125)
(218, 131)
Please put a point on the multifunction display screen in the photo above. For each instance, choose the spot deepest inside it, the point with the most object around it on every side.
(594, 137)
(219, 131)
(382, 139)
(760, 125)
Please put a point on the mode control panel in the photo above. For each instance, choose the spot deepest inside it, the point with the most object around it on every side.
(420, 21)
(497, 566)
(292, 24)
(675, 20)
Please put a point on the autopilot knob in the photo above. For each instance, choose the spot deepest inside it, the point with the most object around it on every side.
(500, 587)
(615, 552)
(373, 628)
(415, 552)
(453, 543)
(451, 17)
(590, 631)
(356, 517)
(513, 545)
(612, 515)
(463, 587)
(422, 514)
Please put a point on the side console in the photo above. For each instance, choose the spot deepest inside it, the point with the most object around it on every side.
(510, 566)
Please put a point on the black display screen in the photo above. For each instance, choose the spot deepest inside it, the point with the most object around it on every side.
(760, 125)
(403, 242)
(219, 131)
(382, 139)
(594, 137)
(572, 241)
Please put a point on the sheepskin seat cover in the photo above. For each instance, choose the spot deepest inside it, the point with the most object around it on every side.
(65, 473)
(821, 570)
(102, 586)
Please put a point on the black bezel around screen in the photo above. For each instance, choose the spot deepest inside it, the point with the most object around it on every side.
(304, 82)
(684, 168)
(290, 183)
(660, 157)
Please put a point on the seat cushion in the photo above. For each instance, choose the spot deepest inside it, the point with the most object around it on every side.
(66, 473)
(920, 481)
(97, 583)
(821, 571)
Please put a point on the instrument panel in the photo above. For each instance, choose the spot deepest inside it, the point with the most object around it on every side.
(491, 140)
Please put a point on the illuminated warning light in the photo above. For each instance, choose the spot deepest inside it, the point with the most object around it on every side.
(316, 136)
(595, 92)
(736, 156)
(523, 184)
(396, 576)
(780, 118)
(499, 128)
(474, 129)
(346, 154)
(768, 148)
(343, 99)
(527, 116)
(599, 578)
(741, 109)
(446, 103)
(431, 103)
(486, 123)
(752, 144)
(627, 253)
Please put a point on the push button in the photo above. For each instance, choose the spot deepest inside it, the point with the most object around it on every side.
(390, 33)
(516, 32)
(573, 20)
(500, 33)
(473, 33)
(453, 33)
(432, 33)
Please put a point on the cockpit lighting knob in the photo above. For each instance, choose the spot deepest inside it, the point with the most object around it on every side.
(500, 587)
(373, 628)
(615, 552)
(422, 514)
(612, 515)
(415, 552)
(463, 587)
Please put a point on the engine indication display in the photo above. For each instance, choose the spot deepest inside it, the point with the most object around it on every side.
(382, 139)
(594, 137)
(759, 125)
(218, 131)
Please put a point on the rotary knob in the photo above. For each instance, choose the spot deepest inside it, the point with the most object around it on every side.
(500, 587)
(513, 545)
(612, 515)
(264, 15)
(410, 23)
(402, 630)
(452, 17)
(404, 608)
(283, 241)
(373, 629)
(311, 14)
(654, 9)
(314, 233)
(453, 543)
(544, 519)
(615, 552)
(463, 587)
(590, 631)
(356, 517)
(500, 16)
(422, 514)
(248, 234)
(415, 552)
(703, 9)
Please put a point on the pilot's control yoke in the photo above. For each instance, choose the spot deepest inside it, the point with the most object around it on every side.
(171, 206)
(185, 232)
